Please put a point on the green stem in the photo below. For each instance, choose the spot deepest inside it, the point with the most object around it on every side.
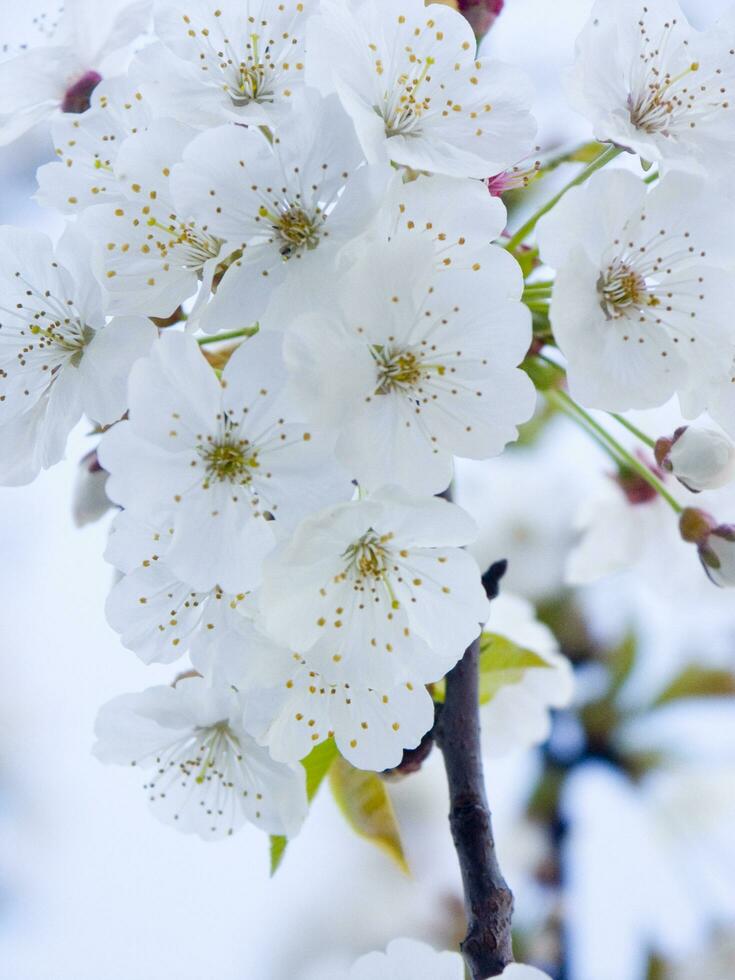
(605, 157)
(230, 335)
(536, 304)
(546, 286)
(651, 177)
(618, 452)
(647, 440)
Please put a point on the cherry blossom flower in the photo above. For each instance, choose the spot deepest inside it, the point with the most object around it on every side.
(224, 62)
(408, 959)
(459, 216)
(75, 52)
(640, 302)
(292, 708)
(209, 776)
(409, 78)
(377, 592)
(86, 146)
(159, 616)
(151, 255)
(518, 715)
(277, 205)
(410, 365)
(59, 357)
(224, 462)
(649, 81)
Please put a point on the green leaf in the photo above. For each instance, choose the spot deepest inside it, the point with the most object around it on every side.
(698, 682)
(503, 662)
(363, 799)
(317, 765)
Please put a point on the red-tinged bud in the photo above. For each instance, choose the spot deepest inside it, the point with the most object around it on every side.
(481, 14)
(635, 487)
(79, 94)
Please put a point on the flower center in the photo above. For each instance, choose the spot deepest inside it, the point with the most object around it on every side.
(296, 228)
(254, 81)
(368, 557)
(661, 100)
(71, 337)
(398, 369)
(622, 287)
(403, 109)
(229, 461)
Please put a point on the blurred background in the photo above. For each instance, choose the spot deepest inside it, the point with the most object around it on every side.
(617, 835)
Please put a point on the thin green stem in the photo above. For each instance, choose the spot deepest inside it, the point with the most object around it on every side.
(618, 452)
(638, 433)
(525, 230)
(536, 304)
(651, 177)
(229, 335)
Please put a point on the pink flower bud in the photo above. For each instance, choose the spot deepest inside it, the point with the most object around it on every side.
(700, 459)
(79, 94)
(481, 14)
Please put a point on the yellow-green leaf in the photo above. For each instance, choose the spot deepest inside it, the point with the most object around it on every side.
(698, 682)
(503, 662)
(317, 765)
(363, 799)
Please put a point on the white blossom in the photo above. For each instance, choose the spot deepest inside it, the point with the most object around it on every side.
(377, 592)
(225, 463)
(151, 256)
(408, 959)
(156, 614)
(410, 79)
(59, 356)
(409, 365)
(648, 81)
(87, 144)
(206, 773)
(640, 301)
(292, 708)
(518, 715)
(228, 62)
(459, 216)
(281, 206)
(72, 54)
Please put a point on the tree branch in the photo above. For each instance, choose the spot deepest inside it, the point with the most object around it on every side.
(487, 947)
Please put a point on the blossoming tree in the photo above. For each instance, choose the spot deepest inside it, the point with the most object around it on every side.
(287, 297)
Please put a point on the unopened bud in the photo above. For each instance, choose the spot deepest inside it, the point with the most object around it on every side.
(715, 544)
(481, 14)
(718, 555)
(78, 96)
(700, 459)
(89, 500)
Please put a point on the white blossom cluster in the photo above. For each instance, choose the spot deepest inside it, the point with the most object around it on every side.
(284, 301)
(304, 179)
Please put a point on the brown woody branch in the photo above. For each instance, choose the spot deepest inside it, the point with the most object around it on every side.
(487, 947)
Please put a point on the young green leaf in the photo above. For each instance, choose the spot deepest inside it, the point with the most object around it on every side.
(503, 662)
(317, 765)
(363, 799)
